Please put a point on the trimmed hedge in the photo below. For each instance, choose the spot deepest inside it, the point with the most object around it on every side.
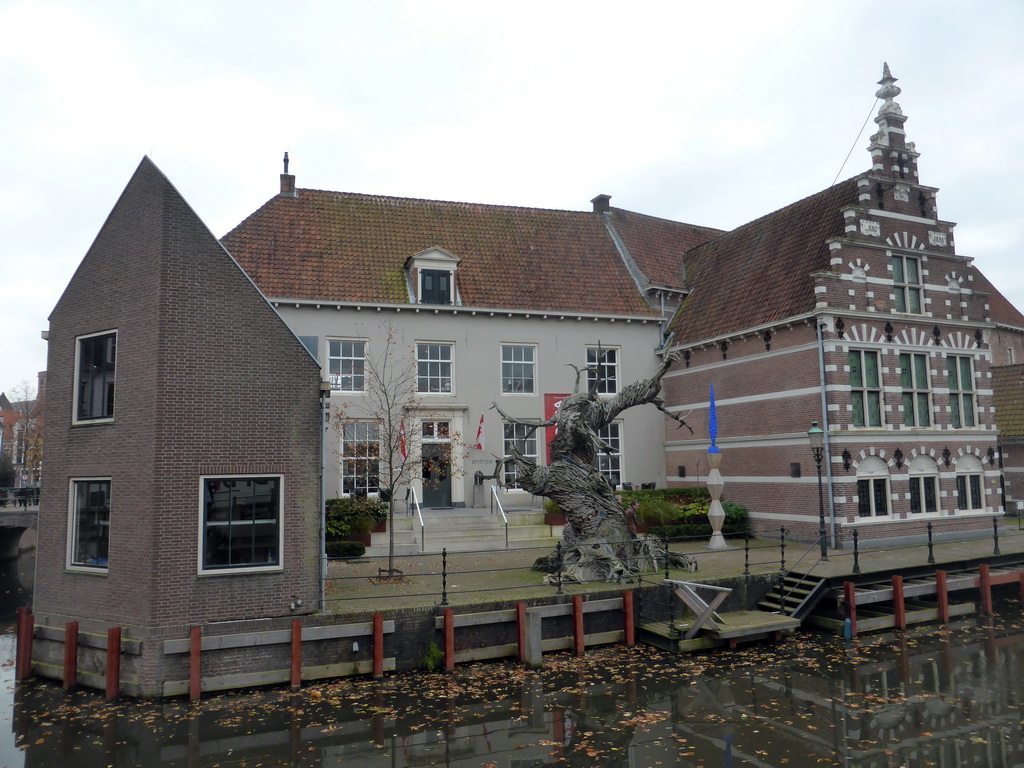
(345, 549)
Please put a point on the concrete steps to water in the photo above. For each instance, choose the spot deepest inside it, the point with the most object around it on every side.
(468, 530)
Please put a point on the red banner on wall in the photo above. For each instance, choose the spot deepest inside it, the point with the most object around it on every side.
(551, 404)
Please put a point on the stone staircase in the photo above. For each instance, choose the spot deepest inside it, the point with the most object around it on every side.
(466, 530)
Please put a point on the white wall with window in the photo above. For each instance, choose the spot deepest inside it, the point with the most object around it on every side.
(346, 365)
(524, 439)
(434, 362)
(603, 365)
(360, 458)
(519, 369)
(240, 523)
(89, 523)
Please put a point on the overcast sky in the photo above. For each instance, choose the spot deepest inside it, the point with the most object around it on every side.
(709, 115)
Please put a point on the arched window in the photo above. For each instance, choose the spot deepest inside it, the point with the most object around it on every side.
(872, 487)
(970, 494)
(924, 485)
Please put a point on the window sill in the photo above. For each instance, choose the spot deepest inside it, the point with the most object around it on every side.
(85, 569)
(92, 422)
(241, 571)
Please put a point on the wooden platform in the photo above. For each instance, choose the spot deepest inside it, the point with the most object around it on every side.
(732, 628)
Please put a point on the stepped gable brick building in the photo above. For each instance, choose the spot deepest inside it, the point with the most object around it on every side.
(492, 303)
(850, 308)
(183, 444)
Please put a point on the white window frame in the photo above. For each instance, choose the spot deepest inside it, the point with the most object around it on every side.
(512, 366)
(610, 465)
(921, 483)
(337, 380)
(77, 394)
(964, 496)
(74, 523)
(873, 493)
(440, 362)
(528, 444)
(866, 391)
(917, 393)
(904, 289)
(349, 481)
(228, 570)
(958, 394)
(609, 385)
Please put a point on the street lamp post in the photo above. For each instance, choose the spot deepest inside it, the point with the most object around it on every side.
(816, 437)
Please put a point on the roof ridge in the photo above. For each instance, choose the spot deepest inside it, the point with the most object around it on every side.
(667, 220)
(467, 203)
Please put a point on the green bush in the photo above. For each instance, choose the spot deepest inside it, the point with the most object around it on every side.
(551, 507)
(678, 496)
(697, 525)
(657, 512)
(345, 549)
(357, 515)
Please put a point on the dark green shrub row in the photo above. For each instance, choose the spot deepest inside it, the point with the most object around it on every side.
(357, 515)
(345, 549)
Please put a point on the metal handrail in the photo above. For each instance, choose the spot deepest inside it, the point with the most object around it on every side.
(419, 514)
(784, 593)
(496, 500)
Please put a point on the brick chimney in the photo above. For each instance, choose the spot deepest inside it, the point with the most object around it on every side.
(288, 181)
(601, 203)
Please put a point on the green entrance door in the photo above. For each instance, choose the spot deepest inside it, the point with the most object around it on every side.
(437, 481)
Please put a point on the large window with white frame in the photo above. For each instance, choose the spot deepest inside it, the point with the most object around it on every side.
(609, 464)
(346, 365)
(960, 377)
(241, 522)
(518, 369)
(523, 438)
(917, 408)
(95, 362)
(873, 496)
(89, 524)
(969, 492)
(865, 388)
(360, 458)
(603, 366)
(434, 368)
(906, 278)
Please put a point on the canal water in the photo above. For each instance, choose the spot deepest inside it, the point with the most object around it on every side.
(948, 697)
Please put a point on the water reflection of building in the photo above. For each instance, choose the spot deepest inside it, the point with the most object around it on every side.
(948, 698)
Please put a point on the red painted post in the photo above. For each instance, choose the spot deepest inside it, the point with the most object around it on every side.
(70, 654)
(23, 664)
(942, 594)
(378, 645)
(296, 654)
(449, 639)
(113, 662)
(577, 625)
(628, 628)
(521, 629)
(850, 595)
(195, 666)
(985, 582)
(1021, 575)
(899, 608)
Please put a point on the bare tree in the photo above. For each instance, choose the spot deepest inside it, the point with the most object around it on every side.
(594, 516)
(385, 425)
(25, 432)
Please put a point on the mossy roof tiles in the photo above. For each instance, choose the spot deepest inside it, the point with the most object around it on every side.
(339, 246)
(657, 245)
(1008, 389)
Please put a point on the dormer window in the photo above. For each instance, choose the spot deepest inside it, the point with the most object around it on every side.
(431, 277)
(435, 287)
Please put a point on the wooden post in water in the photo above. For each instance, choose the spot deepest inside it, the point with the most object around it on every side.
(850, 596)
(26, 628)
(579, 641)
(899, 608)
(628, 626)
(449, 639)
(521, 629)
(296, 654)
(533, 645)
(195, 663)
(942, 595)
(985, 582)
(70, 654)
(1021, 575)
(378, 645)
(113, 663)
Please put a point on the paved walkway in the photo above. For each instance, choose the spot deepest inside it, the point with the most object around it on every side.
(474, 578)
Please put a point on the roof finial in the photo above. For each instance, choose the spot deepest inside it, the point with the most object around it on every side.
(888, 91)
(286, 159)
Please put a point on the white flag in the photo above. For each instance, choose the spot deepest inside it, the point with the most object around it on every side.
(480, 434)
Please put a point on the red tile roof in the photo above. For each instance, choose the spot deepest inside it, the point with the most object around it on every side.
(1000, 309)
(736, 280)
(339, 246)
(1008, 389)
(657, 245)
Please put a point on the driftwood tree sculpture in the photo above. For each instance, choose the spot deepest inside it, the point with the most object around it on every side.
(597, 541)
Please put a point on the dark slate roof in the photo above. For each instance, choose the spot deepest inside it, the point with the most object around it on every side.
(1008, 388)
(761, 272)
(340, 246)
(657, 245)
(1001, 311)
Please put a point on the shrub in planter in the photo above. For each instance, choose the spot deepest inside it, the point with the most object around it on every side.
(359, 515)
(345, 549)
(553, 514)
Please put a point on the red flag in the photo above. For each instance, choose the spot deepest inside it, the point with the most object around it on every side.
(480, 434)
(403, 450)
